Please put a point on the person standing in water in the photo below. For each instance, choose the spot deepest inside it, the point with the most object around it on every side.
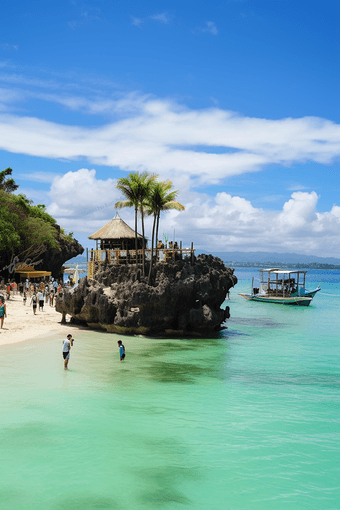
(3, 312)
(121, 350)
(67, 344)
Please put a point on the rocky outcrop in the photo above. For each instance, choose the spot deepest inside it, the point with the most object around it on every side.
(53, 259)
(184, 298)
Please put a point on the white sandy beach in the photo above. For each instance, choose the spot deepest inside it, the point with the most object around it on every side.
(21, 324)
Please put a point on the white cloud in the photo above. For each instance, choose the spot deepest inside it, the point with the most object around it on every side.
(82, 198)
(161, 136)
(162, 18)
(209, 28)
(299, 211)
(38, 176)
(7, 46)
(82, 203)
(8, 98)
(137, 22)
(296, 186)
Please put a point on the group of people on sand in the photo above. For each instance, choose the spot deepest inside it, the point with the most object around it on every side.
(37, 293)
(68, 343)
(40, 294)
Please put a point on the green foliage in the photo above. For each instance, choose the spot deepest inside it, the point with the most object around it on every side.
(24, 228)
(6, 184)
(147, 195)
(69, 237)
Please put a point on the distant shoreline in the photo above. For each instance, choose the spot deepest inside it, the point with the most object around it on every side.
(281, 265)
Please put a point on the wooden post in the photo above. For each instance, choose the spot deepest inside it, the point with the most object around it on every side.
(87, 254)
(277, 284)
(192, 253)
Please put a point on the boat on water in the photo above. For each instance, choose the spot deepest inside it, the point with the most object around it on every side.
(283, 286)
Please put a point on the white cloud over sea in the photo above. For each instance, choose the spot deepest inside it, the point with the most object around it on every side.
(194, 147)
(82, 203)
(161, 136)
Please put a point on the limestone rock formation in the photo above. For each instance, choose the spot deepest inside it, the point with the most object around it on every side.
(52, 259)
(184, 298)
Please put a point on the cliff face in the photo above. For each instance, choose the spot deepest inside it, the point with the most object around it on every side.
(184, 298)
(53, 259)
(46, 258)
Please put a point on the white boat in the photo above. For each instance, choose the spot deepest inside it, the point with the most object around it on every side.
(283, 286)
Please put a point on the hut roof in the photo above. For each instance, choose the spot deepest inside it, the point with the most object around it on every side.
(115, 229)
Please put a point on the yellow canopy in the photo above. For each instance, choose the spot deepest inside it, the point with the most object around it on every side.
(33, 274)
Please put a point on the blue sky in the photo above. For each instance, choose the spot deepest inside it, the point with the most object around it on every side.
(235, 101)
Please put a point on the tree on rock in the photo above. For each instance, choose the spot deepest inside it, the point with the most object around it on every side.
(6, 184)
(160, 199)
(136, 188)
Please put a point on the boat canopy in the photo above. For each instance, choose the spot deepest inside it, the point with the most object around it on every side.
(286, 271)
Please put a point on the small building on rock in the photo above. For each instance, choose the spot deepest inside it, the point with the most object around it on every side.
(117, 235)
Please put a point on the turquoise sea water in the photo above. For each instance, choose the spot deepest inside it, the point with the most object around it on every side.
(249, 420)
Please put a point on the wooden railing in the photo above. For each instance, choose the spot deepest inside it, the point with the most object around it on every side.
(97, 257)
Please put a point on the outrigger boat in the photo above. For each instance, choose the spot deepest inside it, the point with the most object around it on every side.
(282, 286)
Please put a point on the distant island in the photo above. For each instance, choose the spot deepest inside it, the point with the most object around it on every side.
(260, 259)
(280, 260)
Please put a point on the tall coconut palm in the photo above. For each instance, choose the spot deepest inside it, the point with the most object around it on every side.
(145, 189)
(161, 199)
(135, 187)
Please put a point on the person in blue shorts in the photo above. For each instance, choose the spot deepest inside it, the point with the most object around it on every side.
(121, 350)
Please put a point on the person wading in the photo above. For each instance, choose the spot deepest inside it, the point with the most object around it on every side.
(121, 350)
(67, 343)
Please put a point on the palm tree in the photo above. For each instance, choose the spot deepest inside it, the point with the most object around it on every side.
(136, 188)
(161, 199)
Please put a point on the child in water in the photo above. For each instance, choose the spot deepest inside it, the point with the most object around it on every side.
(121, 350)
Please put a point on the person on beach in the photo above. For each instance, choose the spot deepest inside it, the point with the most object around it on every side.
(67, 344)
(51, 298)
(34, 302)
(3, 312)
(24, 299)
(40, 297)
(8, 290)
(121, 350)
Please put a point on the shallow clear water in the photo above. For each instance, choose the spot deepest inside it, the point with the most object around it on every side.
(249, 420)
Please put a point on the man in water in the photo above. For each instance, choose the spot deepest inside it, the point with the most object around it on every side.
(121, 350)
(67, 344)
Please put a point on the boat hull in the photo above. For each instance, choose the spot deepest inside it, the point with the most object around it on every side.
(293, 301)
(309, 293)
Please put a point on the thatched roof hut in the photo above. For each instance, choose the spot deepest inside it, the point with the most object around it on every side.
(116, 234)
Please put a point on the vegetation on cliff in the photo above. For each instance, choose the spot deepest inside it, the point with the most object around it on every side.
(27, 231)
